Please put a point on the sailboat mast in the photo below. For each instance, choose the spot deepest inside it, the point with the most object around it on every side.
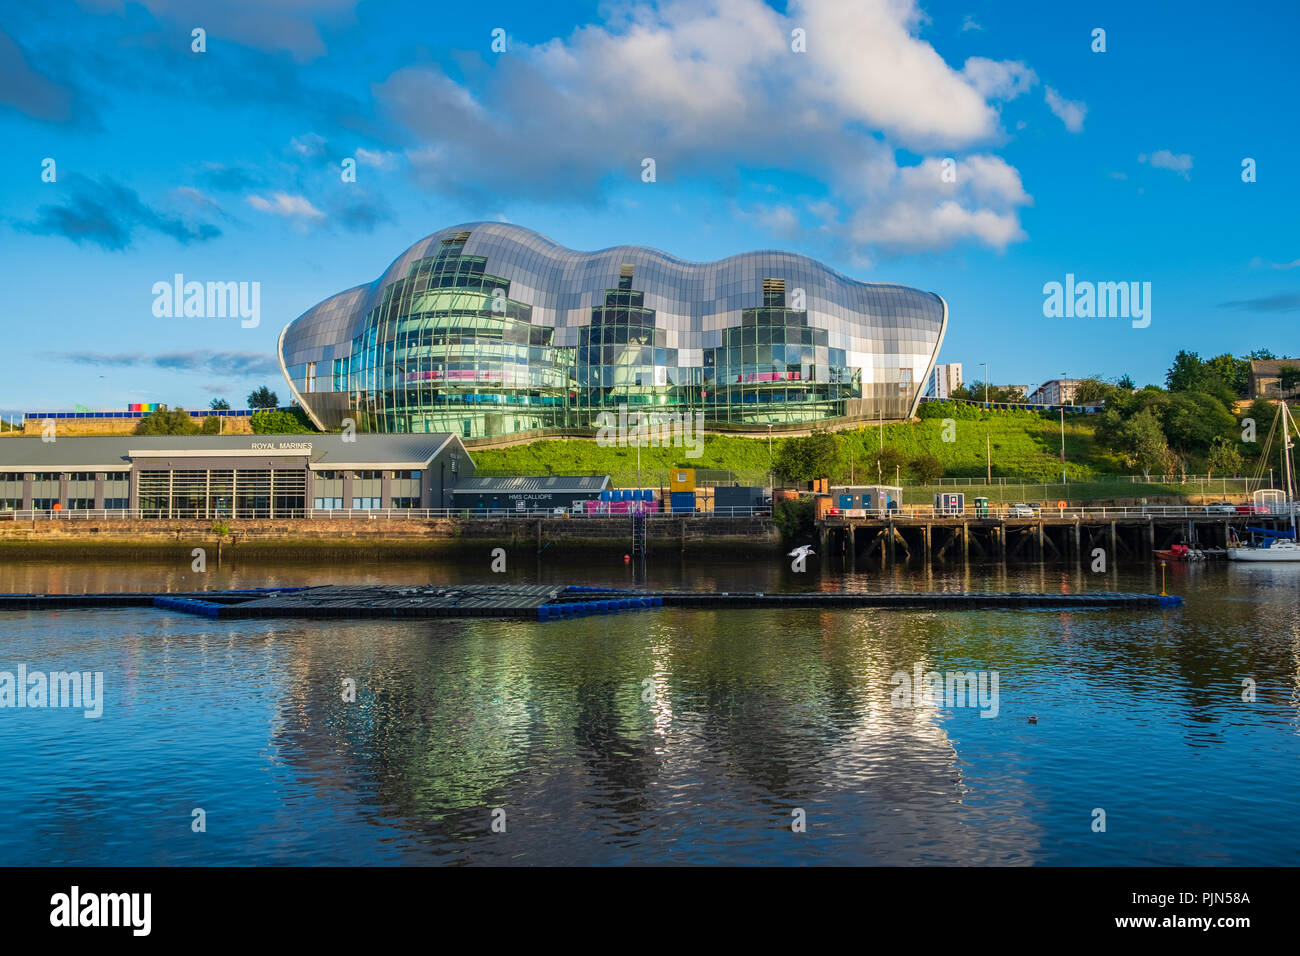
(1286, 462)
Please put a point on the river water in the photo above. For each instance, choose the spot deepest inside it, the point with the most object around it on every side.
(666, 736)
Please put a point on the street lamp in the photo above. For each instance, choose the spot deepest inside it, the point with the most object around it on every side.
(988, 430)
(771, 473)
(1061, 396)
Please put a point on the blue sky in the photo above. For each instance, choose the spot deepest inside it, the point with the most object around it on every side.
(224, 165)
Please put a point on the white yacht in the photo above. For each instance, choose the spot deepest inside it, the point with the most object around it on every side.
(1271, 544)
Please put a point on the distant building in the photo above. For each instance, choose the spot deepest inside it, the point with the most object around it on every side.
(1057, 391)
(943, 380)
(1264, 376)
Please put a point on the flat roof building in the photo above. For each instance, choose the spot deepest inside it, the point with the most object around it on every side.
(235, 476)
(528, 492)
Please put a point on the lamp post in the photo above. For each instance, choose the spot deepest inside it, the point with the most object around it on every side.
(988, 430)
(1061, 396)
(771, 473)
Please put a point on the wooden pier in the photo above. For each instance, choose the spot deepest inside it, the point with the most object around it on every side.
(1051, 536)
(547, 602)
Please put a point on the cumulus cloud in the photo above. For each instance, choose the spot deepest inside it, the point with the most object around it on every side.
(287, 206)
(1069, 112)
(269, 25)
(1180, 163)
(999, 79)
(28, 91)
(109, 214)
(1284, 302)
(694, 85)
(214, 362)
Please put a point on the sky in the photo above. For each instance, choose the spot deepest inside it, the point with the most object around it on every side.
(976, 149)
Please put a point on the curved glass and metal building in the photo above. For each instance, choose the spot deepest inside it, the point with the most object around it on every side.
(489, 329)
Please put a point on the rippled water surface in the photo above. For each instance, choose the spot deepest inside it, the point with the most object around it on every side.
(676, 736)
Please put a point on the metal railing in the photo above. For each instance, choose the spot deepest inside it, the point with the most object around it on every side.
(1009, 512)
(372, 514)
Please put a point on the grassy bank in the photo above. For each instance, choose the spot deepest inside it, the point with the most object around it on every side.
(1024, 445)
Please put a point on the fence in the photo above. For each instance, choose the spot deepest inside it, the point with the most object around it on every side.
(399, 514)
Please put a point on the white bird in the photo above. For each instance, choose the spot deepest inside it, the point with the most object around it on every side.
(803, 551)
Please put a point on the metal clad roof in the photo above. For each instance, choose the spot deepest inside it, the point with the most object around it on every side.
(553, 483)
(36, 454)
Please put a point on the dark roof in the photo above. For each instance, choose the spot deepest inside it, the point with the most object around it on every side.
(114, 451)
(555, 483)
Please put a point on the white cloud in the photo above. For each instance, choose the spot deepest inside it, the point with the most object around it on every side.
(694, 84)
(969, 22)
(999, 79)
(1180, 163)
(286, 206)
(1069, 112)
(380, 159)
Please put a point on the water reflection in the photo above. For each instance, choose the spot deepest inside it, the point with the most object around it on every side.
(670, 736)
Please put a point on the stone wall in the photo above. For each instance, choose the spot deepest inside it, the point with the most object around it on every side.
(73, 427)
(339, 536)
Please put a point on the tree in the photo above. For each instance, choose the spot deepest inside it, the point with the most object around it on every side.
(263, 397)
(1143, 437)
(212, 425)
(890, 458)
(1223, 457)
(1193, 419)
(1288, 377)
(1234, 373)
(219, 405)
(926, 468)
(1186, 374)
(1092, 391)
(808, 458)
(167, 421)
(274, 422)
(1125, 383)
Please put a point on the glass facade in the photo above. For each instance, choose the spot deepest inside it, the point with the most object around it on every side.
(491, 329)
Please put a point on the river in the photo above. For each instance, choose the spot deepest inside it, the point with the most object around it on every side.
(665, 736)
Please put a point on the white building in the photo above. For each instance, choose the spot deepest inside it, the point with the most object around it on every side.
(1057, 391)
(943, 380)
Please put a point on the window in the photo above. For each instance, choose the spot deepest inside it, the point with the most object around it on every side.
(116, 504)
(328, 504)
(43, 504)
(80, 504)
(365, 504)
(82, 476)
(46, 476)
(11, 504)
(406, 502)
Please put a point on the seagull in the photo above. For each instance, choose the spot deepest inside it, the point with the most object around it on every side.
(803, 551)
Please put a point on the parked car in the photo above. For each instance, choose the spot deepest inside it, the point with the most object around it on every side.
(1252, 509)
(1021, 510)
(1221, 508)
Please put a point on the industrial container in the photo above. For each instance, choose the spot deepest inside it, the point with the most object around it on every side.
(822, 506)
(736, 499)
(682, 502)
(681, 479)
(950, 503)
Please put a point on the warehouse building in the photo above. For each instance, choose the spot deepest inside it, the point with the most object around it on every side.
(235, 476)
(529, 493)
